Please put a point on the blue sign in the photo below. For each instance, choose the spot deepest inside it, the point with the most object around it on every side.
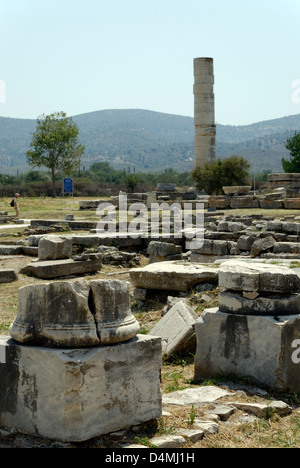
(68, 185)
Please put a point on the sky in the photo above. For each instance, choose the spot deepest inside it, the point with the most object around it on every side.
(81, 56)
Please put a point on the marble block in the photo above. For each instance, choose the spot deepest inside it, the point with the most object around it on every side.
(78, 394)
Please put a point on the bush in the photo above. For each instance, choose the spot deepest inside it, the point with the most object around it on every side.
(222, 172)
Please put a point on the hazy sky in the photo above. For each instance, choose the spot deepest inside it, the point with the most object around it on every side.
(86, 55)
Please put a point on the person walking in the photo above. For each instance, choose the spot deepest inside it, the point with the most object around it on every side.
(17, 204)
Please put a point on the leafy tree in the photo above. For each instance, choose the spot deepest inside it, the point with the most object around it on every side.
(36, 176)
(55, 145)
(293, 145)
(222, 172)
(131, 181)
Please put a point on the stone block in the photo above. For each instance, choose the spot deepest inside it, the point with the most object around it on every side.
(274, 226)
(10, 249)
(53, 247)
(230, 226)
(173, 276)
(247, 201)
(274, 305)
(261, 245)
(291, 203)
(291, 227)
(176, 329)
(245, 242)
(220, 247)
(8, 276)
(206, 248)
(60, 268)
(78, 394)
(236, 189)
(163, 249)
(262, 348)
(253, 276)
(286, 247)
(266, 204)
(219, 202)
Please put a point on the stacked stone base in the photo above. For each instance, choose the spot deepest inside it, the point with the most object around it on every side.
(77, 394)
(255, 331)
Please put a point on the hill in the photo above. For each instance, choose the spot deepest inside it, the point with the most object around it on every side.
(144, 140)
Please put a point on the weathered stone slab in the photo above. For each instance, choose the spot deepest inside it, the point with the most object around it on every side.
(236, 303)
(10, 249)
(264, 203)
(212, 247)
(291, 203)
(208, 427)
(60, 268)
(173, 276)
(195, 396)
(160, 251)
(263, 277)
(192, 434)
(286, 247)
(167, 441)
(176, 329)
(247, 201)
(257, 346)
(261, 245)
(53, 247)
(245, 242)
(8, 276)
(230, 226)
(219, 202)
(236, 189)
(262, 410)
(77, 394)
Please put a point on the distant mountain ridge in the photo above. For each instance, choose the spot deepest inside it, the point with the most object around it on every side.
(142, 140)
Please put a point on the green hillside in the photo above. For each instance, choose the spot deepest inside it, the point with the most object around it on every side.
(144, 140)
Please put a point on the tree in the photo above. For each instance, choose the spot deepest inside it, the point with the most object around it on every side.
(222, 172)
(55, 145)
(293, 145)
(131, 181)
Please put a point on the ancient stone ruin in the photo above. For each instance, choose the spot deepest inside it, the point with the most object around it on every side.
(204, 112)
(76, 366)
(254, 329)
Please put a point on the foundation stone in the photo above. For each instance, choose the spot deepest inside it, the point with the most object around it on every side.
(77, 394)
(256, 327)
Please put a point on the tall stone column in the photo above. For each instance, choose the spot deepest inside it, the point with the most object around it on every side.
(204, 112)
